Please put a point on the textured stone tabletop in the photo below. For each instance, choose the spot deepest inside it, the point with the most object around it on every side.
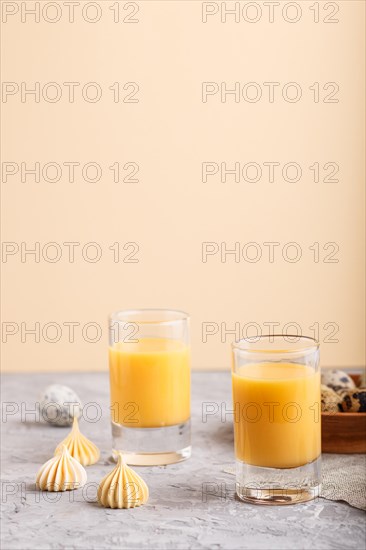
(179, 515)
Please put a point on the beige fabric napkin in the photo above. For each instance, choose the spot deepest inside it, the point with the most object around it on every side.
(343, 478)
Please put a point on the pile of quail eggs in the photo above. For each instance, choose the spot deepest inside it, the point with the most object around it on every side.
(339, 393)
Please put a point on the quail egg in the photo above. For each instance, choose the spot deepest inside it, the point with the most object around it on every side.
(59, 404)
(329, 400)
(354, 400)
(337, 380)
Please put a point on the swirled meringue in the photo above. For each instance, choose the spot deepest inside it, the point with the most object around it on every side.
(122, 488)
(79, 446)
(61, 473)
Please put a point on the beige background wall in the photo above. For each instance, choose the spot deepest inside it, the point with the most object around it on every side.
(169, 212)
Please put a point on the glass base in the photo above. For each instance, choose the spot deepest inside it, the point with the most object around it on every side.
(152, 446)
(274, 486)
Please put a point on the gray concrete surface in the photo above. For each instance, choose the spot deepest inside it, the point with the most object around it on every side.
(179, 514)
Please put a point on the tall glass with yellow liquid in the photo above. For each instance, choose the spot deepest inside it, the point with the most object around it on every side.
(277, 432)
(149, 366)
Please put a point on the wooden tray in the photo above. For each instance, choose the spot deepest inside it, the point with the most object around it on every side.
(344, 432)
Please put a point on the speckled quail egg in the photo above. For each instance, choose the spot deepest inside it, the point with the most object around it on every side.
(337, 380)
(329, 400)
(363, 379)
(59, 404)
(354, 400)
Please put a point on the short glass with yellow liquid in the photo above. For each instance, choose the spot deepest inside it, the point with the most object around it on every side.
(149, 365)
(277, 430)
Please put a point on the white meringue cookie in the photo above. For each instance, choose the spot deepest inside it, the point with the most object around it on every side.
(79, 446)
(122, 488)
(61, 473)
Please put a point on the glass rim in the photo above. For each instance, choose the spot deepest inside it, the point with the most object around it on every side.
(124, 315)
(245, 344)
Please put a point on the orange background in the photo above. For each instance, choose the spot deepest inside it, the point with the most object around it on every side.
(170, 212)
